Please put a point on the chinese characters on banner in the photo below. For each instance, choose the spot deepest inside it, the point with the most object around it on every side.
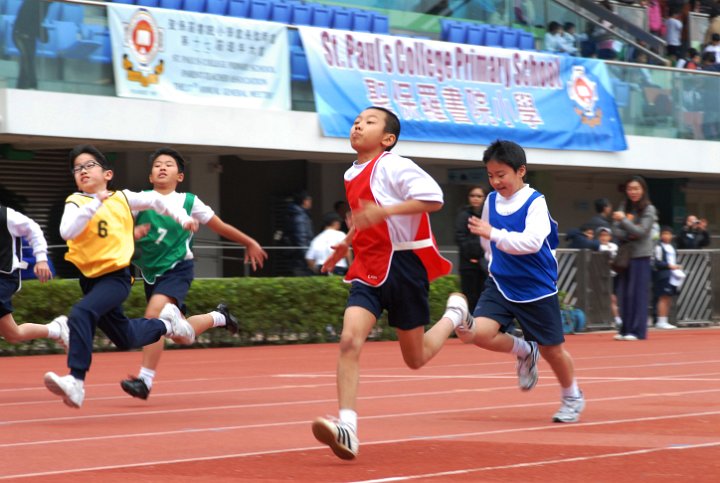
(445, 92)
(196, 58)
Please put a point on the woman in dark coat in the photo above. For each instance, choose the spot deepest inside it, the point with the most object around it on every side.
(472, 266)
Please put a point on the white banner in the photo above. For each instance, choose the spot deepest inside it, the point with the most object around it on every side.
(195, 58)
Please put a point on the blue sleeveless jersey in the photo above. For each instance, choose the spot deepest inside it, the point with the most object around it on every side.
(523, 278)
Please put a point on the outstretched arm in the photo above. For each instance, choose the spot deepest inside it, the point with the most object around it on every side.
(371, 214)
(254, 254)
(152, 200)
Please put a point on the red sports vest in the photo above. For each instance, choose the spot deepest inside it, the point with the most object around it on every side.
(373, 248)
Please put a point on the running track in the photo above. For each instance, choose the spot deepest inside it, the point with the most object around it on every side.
(243, 414)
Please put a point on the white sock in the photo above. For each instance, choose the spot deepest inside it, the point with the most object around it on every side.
(168, 327)
(521, 347)
(53, 330)
(662, 320)
(618, 320)
(147, 376)
(572, 391)
(349, 417)
(218, 319)
(454, 314)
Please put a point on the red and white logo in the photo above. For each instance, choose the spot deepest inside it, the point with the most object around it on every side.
(584, 92)
(143, 37)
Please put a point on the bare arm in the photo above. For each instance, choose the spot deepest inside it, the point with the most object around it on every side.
(254, 254)
(371, 214)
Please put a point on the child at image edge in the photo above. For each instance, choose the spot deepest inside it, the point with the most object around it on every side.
(520, 236)
(395, 259)
(98, 226)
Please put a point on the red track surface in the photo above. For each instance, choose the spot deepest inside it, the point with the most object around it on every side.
(244, 414)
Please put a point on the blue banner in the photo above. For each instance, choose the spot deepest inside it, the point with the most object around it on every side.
(458, 93)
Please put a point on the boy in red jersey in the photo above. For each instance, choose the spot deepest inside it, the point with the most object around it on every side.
(395, 259)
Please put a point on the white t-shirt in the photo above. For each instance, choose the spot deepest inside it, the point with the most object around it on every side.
(714, 49)
(320, 247)
(674, 30)
(397, 179)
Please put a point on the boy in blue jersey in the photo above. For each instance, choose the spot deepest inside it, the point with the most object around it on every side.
(520, 236)
(164, 256)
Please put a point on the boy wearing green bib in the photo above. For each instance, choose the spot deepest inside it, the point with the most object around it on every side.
(165, 259)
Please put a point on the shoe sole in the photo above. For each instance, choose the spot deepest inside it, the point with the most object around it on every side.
(129, 390)
(325, 435)
(54, 388)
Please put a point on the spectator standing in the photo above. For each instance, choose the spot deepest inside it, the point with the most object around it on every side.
(667, 277)
(604, 237)
(633, 227)
(323, 245)
(655, 19)
(300, 232)
(473, 265)
(693, 234)
(603, 212)
(27, 30)
(673, 35)
(713, 25)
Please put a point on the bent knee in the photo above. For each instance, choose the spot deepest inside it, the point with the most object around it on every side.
(350, 344)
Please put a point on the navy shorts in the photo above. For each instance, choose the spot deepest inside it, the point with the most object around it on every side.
(539, 320)
(175, 283)
(404, 294)
(9, 284)
(664, 288)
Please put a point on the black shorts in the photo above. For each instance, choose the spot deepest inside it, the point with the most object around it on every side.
(175, 283)
(9, 284)
(539, 320)
(404, 294)
(664, 288)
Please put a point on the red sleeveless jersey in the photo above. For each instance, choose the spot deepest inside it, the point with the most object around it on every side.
(373, 247)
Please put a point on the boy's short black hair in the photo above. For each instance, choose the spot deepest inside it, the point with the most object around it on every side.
(179, 160)
(92, 151)
(506, 152)
(392, 124)
(331, 217)
(601, 204)
(667, 228)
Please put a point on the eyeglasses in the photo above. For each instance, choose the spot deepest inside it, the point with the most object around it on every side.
(86, 166)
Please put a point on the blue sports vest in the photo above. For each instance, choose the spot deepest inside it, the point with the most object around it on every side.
(523, 278)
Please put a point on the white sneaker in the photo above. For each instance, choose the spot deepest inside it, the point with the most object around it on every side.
(457, 303)
(665, 325)
(62, 322)
(570, 409)
(180, 330)
(630, 337)
(619, 337)
(68, 387)
(527, 370)
(341, 438)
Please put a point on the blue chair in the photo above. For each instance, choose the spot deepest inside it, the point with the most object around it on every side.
(260, 9)
(72, 13)
(457, 32)
(445, 27)
(492, 36)
(127, 2)
(526, 41)
(321, 16)
(361, 20)
(171, 4)
(342, 19)
(301, 14)
(621, 91)
(380, 24)
(475, 35)
(299, 70)
(281, 12)
(193, 5)
(54, 12)
(216, 7)
(509, 38)
(103, 55)
(10, 7)
(239, 8)
(148, 3)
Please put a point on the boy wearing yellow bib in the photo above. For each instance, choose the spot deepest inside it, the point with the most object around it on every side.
(164, 256)
(98, 227)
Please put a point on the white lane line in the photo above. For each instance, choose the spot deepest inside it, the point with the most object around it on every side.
(406, 440)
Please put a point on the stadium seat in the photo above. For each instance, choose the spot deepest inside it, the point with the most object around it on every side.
(171, 4)
(621, 91)
(321, 16)
(492, 36)
(281, 12)
(216, 7)
(380, 24)
(63, 42)
(148, 3)
(475, 35)
(509, 38)
(127, 2)
(301, 15)
(103, 55)
(342, 19)
(54, 12)
(299, 70)
(361, 20)
(72, 13)
(10, 7)
(239, 8)
(526, 41)
(193, 5)
(457, 32)
(260, 9)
